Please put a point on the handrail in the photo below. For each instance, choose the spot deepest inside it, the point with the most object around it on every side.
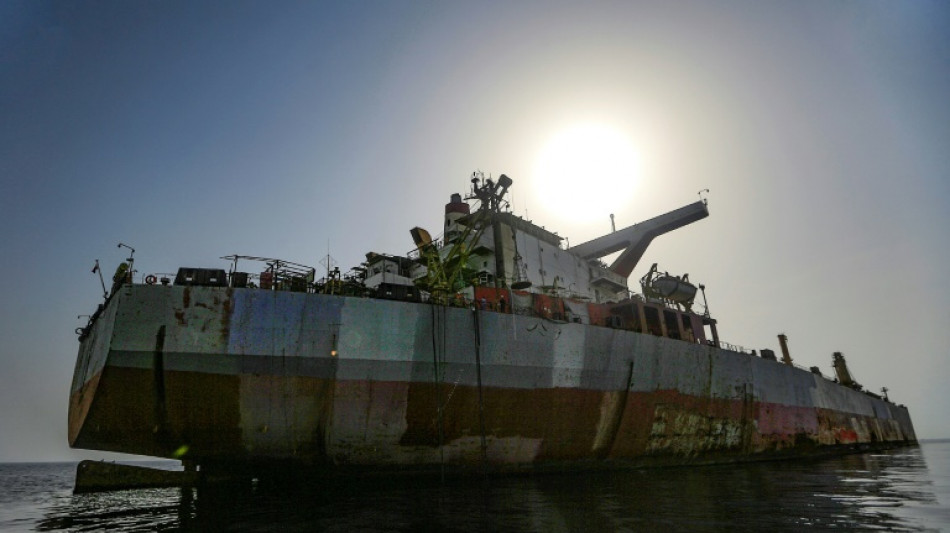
(416, 253)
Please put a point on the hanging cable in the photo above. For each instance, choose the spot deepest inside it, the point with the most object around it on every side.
(478, 374)
(437, 383)
(443, 323)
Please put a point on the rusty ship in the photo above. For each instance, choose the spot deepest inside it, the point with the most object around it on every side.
(493, 346)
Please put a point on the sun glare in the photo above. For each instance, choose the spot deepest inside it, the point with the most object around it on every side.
(586, 172)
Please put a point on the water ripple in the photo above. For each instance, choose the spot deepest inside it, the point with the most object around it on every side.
(899, 491)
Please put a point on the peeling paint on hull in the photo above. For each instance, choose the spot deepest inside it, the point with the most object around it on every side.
(246, 375)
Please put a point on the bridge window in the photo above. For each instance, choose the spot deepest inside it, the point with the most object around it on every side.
(687, 328)
(653, 321)
(672, 326)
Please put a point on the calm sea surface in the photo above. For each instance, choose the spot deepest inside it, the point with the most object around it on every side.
(900, 490)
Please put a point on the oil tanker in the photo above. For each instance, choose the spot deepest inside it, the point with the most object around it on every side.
(493, 347)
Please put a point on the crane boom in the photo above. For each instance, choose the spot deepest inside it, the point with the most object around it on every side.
(635, 239)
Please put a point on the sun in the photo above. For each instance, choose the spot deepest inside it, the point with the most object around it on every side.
(585, 172)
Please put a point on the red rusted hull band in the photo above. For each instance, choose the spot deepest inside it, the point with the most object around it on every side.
(234, 418)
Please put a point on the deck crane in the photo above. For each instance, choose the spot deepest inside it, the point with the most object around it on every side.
(635, 239)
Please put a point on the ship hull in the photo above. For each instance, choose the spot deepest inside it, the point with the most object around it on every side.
(242, 376)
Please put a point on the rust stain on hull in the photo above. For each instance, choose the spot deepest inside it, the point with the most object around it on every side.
(563, 420)
(321, 422)
(79, 404)
(226, 309)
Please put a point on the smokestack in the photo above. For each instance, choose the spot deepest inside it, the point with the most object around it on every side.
(783, 342)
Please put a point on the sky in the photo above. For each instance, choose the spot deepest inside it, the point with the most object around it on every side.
(194, 130)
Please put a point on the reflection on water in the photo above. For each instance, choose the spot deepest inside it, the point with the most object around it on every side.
(891, 491)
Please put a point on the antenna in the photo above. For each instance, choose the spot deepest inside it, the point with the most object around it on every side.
(123, 245)
(329, 262)
(105, 294)
(702, 288)
(131, 259)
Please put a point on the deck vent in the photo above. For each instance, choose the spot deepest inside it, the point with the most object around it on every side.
(201, 277)
(239, 280)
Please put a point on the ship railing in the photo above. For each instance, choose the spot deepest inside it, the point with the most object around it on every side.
(808, 369)
(755, 353)
(416, 253)
(163, 277)
(278, 274)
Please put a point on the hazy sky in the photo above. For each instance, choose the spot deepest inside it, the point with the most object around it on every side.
(192, 130)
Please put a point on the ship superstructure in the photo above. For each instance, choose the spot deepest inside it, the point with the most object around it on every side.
(492, 346)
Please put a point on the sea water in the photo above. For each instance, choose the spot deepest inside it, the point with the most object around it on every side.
(906, 489)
